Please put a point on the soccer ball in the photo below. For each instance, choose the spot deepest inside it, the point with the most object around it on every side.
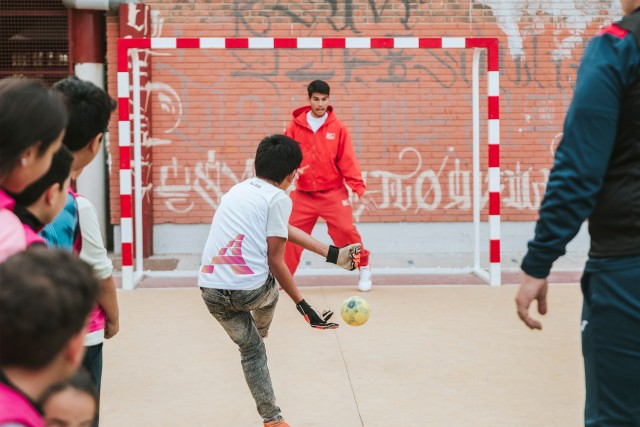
(355, 311)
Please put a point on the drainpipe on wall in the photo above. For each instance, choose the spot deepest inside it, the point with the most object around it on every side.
(87, 41)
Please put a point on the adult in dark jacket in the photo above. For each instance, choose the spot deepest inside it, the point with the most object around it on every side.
(596, 175)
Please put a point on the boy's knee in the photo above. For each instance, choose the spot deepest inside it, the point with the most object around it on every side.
(252, 343)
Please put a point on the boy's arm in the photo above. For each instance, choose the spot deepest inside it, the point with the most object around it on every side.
(108, 300)
(275, 258)
(94, 253)
(347, 257)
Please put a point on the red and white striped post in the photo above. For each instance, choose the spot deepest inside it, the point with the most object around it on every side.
(493, 92)
(493, 126)
(124, 144)
(490, 44)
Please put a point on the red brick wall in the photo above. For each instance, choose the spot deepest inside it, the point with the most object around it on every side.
(408, 110)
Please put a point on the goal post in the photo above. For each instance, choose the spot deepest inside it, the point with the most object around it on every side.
(126, 118)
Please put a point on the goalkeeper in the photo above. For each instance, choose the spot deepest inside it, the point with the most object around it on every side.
(243, 263)
(329, 163)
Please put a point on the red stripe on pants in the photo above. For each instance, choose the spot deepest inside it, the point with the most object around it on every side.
(334, 207)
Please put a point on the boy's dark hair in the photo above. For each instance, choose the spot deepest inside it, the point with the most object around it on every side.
(318, 86)
(276, 157)
(57, 174)
(45, 298)
(89, 110)
(29, 114)
(80, 381)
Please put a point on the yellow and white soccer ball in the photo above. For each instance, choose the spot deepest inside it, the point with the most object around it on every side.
(355, 311)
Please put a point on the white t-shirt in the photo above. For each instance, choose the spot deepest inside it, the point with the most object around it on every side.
(94, 253)
(235, 255)
(316, 122)
(93, 250)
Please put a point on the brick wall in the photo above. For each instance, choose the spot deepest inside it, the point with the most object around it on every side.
(408, 111)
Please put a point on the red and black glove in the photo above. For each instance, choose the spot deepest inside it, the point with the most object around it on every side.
(312, 318)
(347, 257)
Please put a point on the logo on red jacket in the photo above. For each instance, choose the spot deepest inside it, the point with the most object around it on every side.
(331, 135)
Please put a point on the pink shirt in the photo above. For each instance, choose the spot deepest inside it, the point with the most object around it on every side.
(12, 237)
(97, 319)
(15, 408)
(31, 236)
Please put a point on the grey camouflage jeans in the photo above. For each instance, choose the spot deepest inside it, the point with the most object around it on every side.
(246, 317)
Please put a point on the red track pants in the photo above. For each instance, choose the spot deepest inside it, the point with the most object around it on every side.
(334, 207)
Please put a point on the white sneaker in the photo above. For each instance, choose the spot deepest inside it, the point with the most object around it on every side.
(364, 284)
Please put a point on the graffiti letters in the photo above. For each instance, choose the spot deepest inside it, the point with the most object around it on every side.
(205, 179)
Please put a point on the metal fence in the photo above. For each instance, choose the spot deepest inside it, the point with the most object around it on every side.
(34, 39)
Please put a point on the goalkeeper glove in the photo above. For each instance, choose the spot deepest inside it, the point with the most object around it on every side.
(347, 257)
(312, 317)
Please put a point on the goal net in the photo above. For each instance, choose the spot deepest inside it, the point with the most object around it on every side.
(426, 138)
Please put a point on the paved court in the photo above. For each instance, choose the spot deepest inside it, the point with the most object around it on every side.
(450, 356)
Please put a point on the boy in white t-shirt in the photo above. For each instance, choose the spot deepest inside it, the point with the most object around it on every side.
(244, 257)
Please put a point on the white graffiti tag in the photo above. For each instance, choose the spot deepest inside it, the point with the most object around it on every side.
(420, 190)
(570, 17)
(205, 179)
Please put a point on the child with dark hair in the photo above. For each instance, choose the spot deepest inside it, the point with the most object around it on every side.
(90, 108)
(73, 403)
(43, 200)
(45, 297)
(243, 263)
(32, 123)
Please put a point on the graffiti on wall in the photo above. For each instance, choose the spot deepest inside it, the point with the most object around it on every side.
(525, 23)
(424, 189)
(522, 23)
(340, 18)
(520, 19)
(180, 184)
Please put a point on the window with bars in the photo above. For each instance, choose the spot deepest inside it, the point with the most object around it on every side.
(34, 39)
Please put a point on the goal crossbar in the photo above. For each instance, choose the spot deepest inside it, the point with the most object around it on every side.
(130, 277)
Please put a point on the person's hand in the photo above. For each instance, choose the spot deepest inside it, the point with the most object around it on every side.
(111, 328)
(368, 201)
(347, 257)
(312, 317)
(531, 289)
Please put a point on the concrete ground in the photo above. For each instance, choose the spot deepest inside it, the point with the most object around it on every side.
(440, 350)
(431, 355)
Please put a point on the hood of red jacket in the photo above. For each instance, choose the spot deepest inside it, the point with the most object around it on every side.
(300, 115)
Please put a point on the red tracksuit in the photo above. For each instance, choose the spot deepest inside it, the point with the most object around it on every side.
(328, 161)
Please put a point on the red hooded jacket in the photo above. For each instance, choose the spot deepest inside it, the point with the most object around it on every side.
(328, 157)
